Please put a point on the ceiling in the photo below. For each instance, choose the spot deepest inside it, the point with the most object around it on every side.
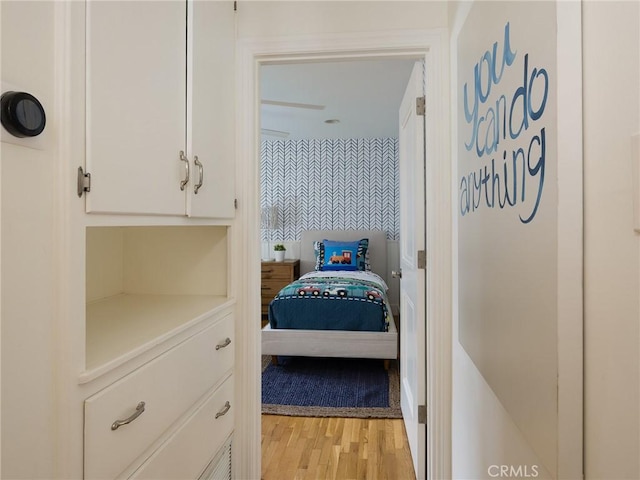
(364, 95)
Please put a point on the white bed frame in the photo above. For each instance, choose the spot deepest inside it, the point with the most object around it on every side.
(336, 343)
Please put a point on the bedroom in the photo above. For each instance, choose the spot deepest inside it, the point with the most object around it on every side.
(329, 164)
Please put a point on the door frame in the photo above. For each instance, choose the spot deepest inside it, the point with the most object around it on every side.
(433, 46)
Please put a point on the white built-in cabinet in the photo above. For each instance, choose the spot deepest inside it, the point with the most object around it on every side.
(157, 387)
(153, 373)
(119, 356)
(160, 107)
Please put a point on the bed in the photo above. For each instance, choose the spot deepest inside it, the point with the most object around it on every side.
(335, 341)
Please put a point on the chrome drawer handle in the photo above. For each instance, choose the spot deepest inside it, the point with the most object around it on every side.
(183, 158)
(227, 342)
(200, 173)
(224, 410)
(139, 411)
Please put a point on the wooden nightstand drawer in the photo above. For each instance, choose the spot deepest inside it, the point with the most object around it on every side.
(272, 287)
(288, 270)
(277, 271)
(276, 275)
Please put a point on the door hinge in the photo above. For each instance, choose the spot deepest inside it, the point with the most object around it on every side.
(422, 259)
(421, 106)
(235, 203)
(422, 414)
(84, 182)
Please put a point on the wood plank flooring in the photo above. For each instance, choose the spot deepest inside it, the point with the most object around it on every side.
(334, 448)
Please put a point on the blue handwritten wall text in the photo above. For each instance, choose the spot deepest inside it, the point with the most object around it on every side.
(501, 183)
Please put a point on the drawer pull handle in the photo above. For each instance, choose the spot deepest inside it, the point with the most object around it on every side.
(183, 158)
(227, 342)
(200, 173)
(224, 410)
(139, 411)
(267, 270)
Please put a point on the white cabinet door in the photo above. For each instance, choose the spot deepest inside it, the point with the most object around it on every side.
(136, 106)
(211, 108)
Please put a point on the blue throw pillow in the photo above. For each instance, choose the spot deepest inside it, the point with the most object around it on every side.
(334, 255)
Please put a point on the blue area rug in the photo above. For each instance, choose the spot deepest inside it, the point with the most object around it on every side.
(330, 387)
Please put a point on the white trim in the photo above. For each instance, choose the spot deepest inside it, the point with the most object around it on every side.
(0, 278)
(69, 450)
(246, 246)
(251, 53)
(439, 261)
(570, 242)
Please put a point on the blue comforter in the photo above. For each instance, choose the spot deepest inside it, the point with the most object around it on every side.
(332, 301)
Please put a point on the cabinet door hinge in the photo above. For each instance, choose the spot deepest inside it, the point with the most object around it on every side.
(84, 182)
(235, 203)
(422, 259)
(421, 106)
(422, 414)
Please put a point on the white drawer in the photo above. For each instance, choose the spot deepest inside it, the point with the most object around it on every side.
(189, 450)
(169, 385)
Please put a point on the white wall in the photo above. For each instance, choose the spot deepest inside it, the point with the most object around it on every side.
(482, 431)
(484, 437)
(274, 18)
(611, 56)
(28, 336)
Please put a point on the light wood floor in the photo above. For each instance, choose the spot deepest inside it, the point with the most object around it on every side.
(334, 448)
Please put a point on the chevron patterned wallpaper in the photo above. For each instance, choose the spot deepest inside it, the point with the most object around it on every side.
(330, 184)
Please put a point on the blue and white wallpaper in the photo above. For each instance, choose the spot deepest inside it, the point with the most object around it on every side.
(330, 184)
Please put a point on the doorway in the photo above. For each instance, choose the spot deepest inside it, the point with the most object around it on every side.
(254, 54)
(329, 152)
(329, 161)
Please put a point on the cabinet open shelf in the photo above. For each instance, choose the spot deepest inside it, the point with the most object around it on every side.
(121, 324)
(145, 285)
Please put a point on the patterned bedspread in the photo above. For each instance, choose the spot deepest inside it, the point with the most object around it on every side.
(339, 300)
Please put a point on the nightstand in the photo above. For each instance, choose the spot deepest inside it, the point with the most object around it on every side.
(275, 275)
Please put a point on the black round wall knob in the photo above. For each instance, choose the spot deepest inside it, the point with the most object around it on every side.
(22, 114)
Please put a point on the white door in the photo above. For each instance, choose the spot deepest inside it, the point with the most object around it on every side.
(412, 283)
(136, 112)
(211, 108)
